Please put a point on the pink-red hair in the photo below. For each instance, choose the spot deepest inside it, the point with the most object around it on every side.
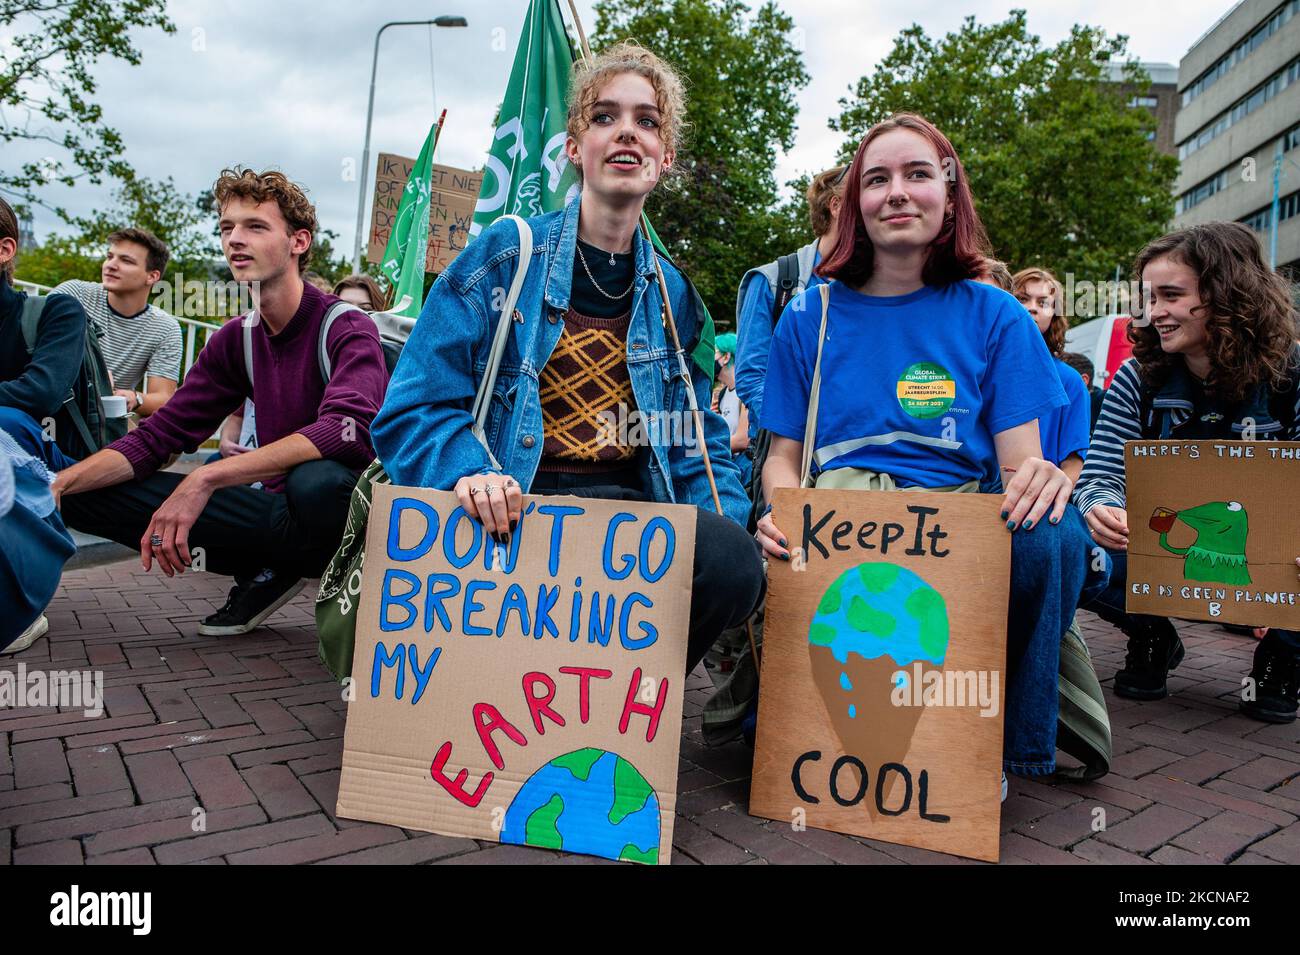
(957, 252)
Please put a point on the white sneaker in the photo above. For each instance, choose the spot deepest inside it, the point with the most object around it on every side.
(29, 636)
(1004, 785)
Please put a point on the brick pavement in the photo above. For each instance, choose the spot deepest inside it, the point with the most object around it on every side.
(245, 735)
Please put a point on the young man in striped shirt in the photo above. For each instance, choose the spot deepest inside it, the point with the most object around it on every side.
(141, 343)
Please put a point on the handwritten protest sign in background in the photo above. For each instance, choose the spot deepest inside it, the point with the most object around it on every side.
(529, 694)
(451, 208)
(1214, 531)
(880, 703)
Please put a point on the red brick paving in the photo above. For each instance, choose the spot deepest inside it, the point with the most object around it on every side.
(228, 752)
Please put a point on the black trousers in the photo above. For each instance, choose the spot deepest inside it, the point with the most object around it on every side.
(727, 574)
(241, 530)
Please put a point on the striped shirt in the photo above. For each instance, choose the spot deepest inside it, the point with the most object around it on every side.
(1102, 480)
(134, 346)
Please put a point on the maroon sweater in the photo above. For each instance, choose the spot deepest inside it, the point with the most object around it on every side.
(290, 396)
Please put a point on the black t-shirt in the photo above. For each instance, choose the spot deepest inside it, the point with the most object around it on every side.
(614, 279)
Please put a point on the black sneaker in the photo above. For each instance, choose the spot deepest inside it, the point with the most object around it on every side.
(250, 603)
(1276, 676)
(1154, 649)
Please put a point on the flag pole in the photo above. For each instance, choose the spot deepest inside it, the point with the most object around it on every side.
(582, 36)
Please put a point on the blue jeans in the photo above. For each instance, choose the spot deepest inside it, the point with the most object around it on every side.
(1109, 604)
(1051, 573)
(23, 428)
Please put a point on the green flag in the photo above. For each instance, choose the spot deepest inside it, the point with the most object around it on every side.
(408, 242)
(527, 172)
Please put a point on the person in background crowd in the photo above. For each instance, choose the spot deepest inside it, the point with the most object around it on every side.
(363, 292)
(316, 280)
(34, 545)
(1063, 431)
(910, 239)
(35, 385)
(757, 297)
(313, 434)
(1083, 365)
(591, 304)
(996, 273)
(1214, 357)
(730, 406)
(141, 343)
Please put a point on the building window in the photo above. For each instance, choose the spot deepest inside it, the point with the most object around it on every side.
(1150, 102)
(1252, 101)
(1287, 208)
(1247, 46)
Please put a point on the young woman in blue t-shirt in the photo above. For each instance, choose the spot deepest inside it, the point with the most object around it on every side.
(926, 378)
(1063, 431)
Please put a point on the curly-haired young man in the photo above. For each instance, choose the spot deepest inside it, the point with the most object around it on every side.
(313, 425)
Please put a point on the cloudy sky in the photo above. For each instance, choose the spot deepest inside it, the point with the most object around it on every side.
(285, 84)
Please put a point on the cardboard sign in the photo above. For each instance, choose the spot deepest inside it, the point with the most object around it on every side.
(1214, 531)
(880, 703)
(451, 208)
(530, 694)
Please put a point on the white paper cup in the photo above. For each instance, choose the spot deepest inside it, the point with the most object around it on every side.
(114, 406)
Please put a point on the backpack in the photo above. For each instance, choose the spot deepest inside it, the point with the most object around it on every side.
(788, 285)
(389, 340)
(93, 383)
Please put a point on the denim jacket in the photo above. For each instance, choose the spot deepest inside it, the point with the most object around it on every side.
(423, 431)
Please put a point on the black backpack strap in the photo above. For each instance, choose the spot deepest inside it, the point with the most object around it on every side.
(33, 306)
(787, 284)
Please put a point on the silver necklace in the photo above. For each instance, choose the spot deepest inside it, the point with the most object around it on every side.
(583, 259)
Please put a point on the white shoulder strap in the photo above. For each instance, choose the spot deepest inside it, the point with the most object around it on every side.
(322, 349)
(249, 321)
(484, 396)
(814, 396)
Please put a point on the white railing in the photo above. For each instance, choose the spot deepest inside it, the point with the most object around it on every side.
(189, 326)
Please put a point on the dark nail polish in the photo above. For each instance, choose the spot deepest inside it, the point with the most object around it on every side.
(1011, 525)
(513, 525)
(1005, 514)
(783, 543)
(496, 538)
(1056, 520)
(1028, 525)
(505, 539)
(785, 556)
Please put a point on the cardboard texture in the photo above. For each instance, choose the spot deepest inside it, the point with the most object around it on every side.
(1214, 531)
(529, 694)
(883, 584)
(451, 208)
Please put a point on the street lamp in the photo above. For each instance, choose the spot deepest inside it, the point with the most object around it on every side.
(370, 115)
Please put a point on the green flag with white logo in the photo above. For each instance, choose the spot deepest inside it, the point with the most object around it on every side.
(527, 172)
(408, 242)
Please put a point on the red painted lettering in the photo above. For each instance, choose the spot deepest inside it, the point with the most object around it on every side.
(584, 675)
(631, 706)
(495, 721)
(540, 706)
(457, 786)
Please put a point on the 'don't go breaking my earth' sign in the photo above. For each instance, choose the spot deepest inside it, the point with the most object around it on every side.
(1214, 531)
(529, 693)
(880, 703)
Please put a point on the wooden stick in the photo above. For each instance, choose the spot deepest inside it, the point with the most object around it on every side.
(582, 36)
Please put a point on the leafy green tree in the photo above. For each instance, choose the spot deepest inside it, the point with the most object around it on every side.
(1061, 168)
(47, 90)
(185, 222)
(56, 260)
(742, 72)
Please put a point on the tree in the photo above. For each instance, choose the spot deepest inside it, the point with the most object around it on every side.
(1061, 168)
(56, 260)
(47, 92)
(742, 71)
(186, 223)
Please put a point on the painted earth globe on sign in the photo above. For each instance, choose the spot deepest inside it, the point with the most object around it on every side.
(589, 801)
(880, 614)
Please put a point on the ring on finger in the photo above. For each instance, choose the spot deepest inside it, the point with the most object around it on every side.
(511, 482)
(489, 489)
(474, 490)
(156, 540)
